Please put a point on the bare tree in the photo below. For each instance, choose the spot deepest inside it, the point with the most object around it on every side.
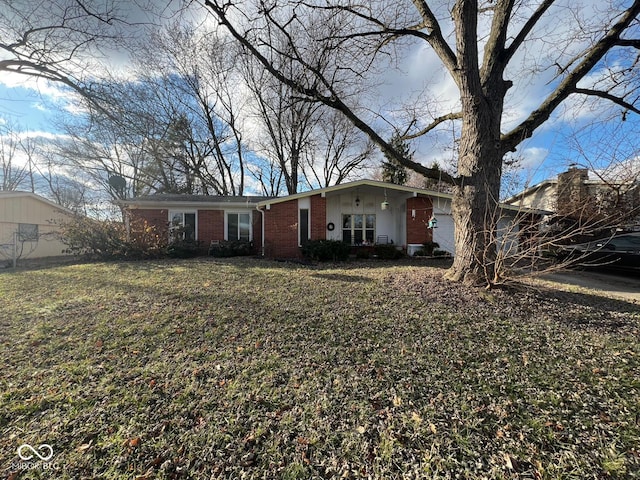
(268, 174)
(285, 121)
(482, 46)
(197, 79)
(339, 151)
(105, 145)
(58, 40)
(18, 149)
(172, 129)
(70, 190)
(13, 173)
(302, 139)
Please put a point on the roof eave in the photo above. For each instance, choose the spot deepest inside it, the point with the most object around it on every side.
(530, 190)
(170, 204)
(351, 185)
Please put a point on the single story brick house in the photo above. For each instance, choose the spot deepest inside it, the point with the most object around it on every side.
(363, 212)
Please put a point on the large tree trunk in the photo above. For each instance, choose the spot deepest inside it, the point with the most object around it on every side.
(475, 205)
(475, 214)
(476, 194)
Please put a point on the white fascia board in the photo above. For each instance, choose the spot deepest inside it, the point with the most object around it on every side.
(190, 205)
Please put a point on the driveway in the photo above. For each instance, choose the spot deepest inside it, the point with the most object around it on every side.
(626, 287)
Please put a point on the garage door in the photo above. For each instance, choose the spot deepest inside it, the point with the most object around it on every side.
(443, 234)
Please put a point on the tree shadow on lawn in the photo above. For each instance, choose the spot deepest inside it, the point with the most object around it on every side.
(343, 277)
(584, 310)
(361, 264)
(578, 310)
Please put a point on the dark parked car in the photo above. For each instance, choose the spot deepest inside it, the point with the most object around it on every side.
(619, 252)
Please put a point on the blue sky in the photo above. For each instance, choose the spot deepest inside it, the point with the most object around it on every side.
(30, 106)
(546, 154)
(23, 107)
(570, 136)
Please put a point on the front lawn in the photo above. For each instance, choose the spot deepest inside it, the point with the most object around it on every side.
(243, 368)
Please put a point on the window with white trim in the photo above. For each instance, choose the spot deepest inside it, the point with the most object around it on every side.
(182, 226)
(239, 226)
(358, 228)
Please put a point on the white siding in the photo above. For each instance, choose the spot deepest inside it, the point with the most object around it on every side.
(390, 222)
(443, 235)
(507, 235)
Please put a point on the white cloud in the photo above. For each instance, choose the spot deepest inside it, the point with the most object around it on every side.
(532, 157)
(26, 88)
(42, 135)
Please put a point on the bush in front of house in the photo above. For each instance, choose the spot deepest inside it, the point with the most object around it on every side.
(231, 248)
(326, 250)
(184, 248)
(108, 239)
(387, 252)
(363, 254)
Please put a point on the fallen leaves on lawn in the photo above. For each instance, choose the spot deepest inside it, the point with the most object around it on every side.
(367, 370)
(132, 442)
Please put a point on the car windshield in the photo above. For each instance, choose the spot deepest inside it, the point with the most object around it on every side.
(627, 241)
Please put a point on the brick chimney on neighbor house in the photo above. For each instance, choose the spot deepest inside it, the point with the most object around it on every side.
(573, 193)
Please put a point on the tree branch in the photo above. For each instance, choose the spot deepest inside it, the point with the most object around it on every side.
(494, 47)
(432, 125)
(436, 39)
(32, 69)
(623, 42)
(568, 86)
(89, 13)
(526, 29)
(608, 96)
(434, 35)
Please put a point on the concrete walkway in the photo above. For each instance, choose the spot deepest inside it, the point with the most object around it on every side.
(626, 287)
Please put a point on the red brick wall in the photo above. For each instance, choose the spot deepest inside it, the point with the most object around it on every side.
(417, 231)
(318, 217)
(210, 226)
(281, 230)
(157, 217)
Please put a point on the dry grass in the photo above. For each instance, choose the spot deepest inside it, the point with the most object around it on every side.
(250, 369)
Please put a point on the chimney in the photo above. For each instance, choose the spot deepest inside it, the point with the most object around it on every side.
(572, 193)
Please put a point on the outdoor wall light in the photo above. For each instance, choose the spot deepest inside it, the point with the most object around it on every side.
(413, 213)
(384, 205)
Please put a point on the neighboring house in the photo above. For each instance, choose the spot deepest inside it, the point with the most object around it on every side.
(573, 195)
(363, 212)
(27, 220)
